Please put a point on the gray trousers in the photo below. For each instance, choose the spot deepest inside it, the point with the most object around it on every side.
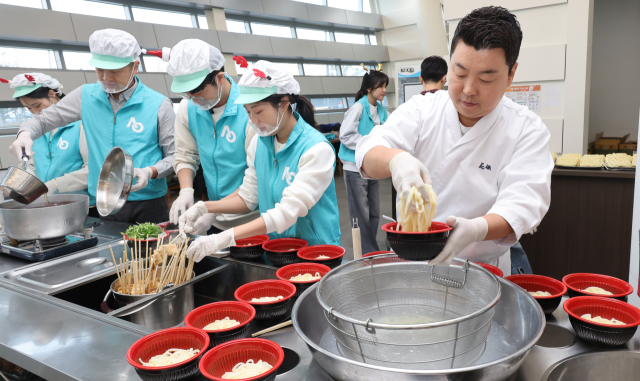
(364, 204)
(155, 210)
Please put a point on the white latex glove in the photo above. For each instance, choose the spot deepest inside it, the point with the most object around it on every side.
(204, 223)
(210, 244)
(407, 172)
(188, 219)
(23, 141)
(464, 233)
(181, 204)
(143, 175)
(52, 186)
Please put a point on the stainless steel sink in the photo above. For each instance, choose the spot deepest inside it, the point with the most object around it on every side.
(619, 365)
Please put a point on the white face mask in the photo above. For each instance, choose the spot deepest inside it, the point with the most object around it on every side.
(114, 87)
(265, 129)
(204, 104)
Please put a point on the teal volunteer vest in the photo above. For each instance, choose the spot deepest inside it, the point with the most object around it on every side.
(56, 157)
(364, 127)
(221, 146)
(321, 226)
(134, 128)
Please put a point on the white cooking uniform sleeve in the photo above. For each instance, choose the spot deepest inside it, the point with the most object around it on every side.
(349, 135)
(249, 187)
(76, 180)
(187, 154)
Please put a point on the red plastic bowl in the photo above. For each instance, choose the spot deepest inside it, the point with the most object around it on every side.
(533, 283)
(262, 288)
(159, 342)
(579, 281)
(285, 273)
(494, 270)
(247, 249)
(417, 246)
(284, 251)
(257, 240)
(225, 356)
(311, 254)
(207, 314)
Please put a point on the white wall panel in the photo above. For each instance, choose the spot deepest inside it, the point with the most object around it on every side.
(340, 85)
(169, 36)
(242, 5)
(336, 117)
(555, 127)
(541, 63)
(320, 119)
(370, 20)
(7, 158)
(86, 25)
(457, 9)
(326, 14)
(35, 23)
(155, 82)
(399, 17)
(378, 53)
(285, 8)
(310, 85)
(327, 49)
(292, 47)
(236, 43)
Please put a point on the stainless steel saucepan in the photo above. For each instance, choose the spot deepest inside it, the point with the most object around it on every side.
(20, 185)
(114, 182)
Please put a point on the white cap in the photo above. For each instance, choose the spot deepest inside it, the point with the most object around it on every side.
(28, 82)
(113, 49)
(190, 62)
(264, 79)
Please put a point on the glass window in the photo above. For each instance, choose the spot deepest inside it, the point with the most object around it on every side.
(373, 39)
(320, 69)
(292, 68)
(351, 100)
(154, 64)
(162, 17)
(351, 5)
(31, 58)
(351, 38)
(313, 34)
(353, 70)
(328, 103)
(202, 21)
(77, 60)
(23, 3)
(366, 6)
(317, 2)
(13, 116)
(270, 30)
(236, 26)
(91, 8)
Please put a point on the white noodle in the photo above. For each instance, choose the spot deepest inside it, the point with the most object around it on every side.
(170, 357)
(322, 257)
(306, 276)
(601, 320)
(246, 370)
(420, 220)
(267, 299)
(540, 293)
(597, 290)
(222, 324)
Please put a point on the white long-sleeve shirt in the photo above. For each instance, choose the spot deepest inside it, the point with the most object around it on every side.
(349, 135)
(315, 173)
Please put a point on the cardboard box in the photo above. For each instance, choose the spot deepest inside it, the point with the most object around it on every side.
(604, 145)
(629, 146)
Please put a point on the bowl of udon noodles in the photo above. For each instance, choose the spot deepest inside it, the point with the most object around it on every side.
(222, 321)
(302, 275)
(169, 354)
(244, 359)
(271, 298)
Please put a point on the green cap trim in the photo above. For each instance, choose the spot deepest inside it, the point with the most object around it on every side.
(103, 61)
(21, 91)
(249, 94)
(188, 82)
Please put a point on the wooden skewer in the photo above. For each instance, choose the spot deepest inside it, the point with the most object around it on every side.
(274, 328)
(116, 265)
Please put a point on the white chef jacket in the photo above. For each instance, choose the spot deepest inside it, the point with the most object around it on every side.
(501, 166)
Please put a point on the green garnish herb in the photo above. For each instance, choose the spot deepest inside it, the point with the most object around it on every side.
(141, 231)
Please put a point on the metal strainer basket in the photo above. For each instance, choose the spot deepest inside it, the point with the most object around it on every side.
(409, 315)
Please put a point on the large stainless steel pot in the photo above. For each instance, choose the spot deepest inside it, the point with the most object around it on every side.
(114, 182)
(42, 222)
(20, 185)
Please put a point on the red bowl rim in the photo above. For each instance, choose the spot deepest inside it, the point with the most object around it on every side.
(212, 352)
(492, 269)
(263, 236)
(302, 252)
(371, 254)
(601, 277)
(441, 228)
(220, 304)
(294, 265)
(304, 243)
(513, 278)
(136, 364)
(145, 240)
(617, 302)
(258, 282)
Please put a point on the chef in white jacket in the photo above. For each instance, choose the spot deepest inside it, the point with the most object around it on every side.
(486, 157)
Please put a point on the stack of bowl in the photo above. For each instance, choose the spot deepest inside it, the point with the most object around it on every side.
(283, 251)
(248, 249)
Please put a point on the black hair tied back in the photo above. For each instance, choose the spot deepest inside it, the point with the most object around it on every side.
(43, 92)
(372, 80)
(304, 107)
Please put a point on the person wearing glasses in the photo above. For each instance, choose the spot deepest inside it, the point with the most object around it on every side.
(210, 130)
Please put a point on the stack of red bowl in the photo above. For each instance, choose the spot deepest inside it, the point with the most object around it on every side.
(284, 251)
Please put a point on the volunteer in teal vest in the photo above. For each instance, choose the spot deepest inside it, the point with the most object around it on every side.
(289, 178)
(210, 131)
(118, 110)
(60, 157)
(362, 194)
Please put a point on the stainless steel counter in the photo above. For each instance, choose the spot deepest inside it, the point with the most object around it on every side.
(58, 339)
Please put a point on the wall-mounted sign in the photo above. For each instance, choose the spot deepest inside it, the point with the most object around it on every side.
(528, 95)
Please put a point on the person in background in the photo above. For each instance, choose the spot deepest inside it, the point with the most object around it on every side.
(433, 74)
(359, 120)
(118, 110)
(488, 156)
(60, 157)
(290, 169)
(210, 130)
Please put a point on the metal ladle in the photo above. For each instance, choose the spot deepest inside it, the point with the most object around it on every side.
(20, 185)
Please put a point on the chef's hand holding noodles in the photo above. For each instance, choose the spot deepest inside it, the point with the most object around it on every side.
(420, 219)
(464, 233)
(408, 172)
(247, 370)
(170, 357)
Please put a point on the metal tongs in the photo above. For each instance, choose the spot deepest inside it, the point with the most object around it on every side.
(448, 280)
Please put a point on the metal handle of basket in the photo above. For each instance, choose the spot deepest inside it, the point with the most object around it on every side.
(446, 279)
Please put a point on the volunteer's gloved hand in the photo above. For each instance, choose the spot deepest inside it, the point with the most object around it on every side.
(204, 223)
(23, 141)
(188, 219)
(143, 175)
(181, 204)
(210, 244)
(464, 233)
(407, 172)
(52, 186)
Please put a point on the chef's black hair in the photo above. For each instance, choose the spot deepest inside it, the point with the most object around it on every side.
(371, 81)
(433, 69)
(43, 92)
(490, 28)
(304, 107)
(210, 79)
